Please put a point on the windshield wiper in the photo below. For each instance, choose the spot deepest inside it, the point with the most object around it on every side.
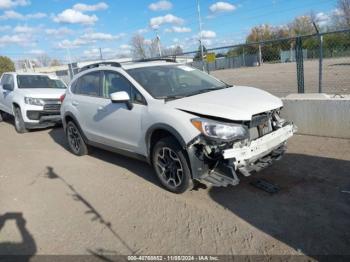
(205, 91)
(172, 97)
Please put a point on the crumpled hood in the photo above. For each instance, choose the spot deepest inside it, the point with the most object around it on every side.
(235, 103)
(53, 93)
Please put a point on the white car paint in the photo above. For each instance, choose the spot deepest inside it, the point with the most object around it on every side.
(16, 96)
(235, 103)
(115, 126)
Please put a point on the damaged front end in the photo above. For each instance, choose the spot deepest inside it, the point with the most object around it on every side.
(219, 159)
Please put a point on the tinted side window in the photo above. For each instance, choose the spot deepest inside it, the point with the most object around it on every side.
(9, 81)
(88, 84)
(115, 82)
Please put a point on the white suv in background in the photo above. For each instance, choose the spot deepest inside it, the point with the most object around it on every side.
(32, 98)
(189, 125)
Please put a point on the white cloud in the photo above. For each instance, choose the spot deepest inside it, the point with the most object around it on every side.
(70, 16)
(142, 31)
(24, 29)
(7, 4)
(101, 37)
(88, 39)
(207, 34)
(18, 16)
(156, 22)
(322, 19)
(147, 41)
(37, 52)
(58, 32)
(160, 6)
(19, 39)
(88, 8)
(222, 7)
(178, 29)
(125, 47)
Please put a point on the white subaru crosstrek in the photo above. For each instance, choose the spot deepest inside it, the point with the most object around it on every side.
(32, 98)
(187, 124)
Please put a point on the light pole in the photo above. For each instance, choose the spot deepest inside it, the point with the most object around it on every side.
(200, 33)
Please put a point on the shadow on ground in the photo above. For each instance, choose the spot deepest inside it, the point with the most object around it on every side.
(140, 168)
(311, 213)
(95, 215)
(27, 248)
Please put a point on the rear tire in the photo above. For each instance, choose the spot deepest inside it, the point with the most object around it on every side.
(170, 164)
(75, 140)
(19, 123)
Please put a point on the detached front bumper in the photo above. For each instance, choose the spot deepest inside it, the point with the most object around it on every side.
(252, 157)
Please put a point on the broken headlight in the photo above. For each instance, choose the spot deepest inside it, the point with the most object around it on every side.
(220, 130)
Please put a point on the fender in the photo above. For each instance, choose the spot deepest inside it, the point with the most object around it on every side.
(165, 127)
(75, 122)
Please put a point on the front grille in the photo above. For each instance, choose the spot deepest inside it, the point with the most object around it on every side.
(52, 107)
(52, 104)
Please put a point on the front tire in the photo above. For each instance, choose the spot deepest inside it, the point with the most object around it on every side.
(170, 164)
(19, 123)
(75, 139)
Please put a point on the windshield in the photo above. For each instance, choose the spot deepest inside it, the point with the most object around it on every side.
(37, 81)
(175, 81)
(58, 84)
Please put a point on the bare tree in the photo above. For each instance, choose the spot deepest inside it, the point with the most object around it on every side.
(302, 25)
(138, 46)
(153, 49)
(43, 59)
(55, 62)
(341, 17)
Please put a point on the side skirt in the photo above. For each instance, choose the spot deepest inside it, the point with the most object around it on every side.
(119, 151)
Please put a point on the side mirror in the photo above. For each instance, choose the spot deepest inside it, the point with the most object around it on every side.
(121, 97)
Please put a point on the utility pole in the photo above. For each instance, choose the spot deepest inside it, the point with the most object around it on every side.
(158, 43)
(200, 33)
(101, 57)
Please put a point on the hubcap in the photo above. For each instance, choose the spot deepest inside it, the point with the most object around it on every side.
(169, 167)
(74, 138)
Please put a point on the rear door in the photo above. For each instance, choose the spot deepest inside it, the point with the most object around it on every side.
(6, 93)
(87, 93)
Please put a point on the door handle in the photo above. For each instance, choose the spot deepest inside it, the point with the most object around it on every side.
(74, 103)
(101, 109)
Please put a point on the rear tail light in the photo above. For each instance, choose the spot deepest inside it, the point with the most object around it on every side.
(62, 98)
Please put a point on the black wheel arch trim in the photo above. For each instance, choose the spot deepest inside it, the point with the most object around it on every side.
(76, 122)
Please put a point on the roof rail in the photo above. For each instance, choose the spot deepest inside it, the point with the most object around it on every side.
(95, 65)
(170, 60)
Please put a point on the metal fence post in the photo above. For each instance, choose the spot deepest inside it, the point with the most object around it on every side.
(260, 56)
(300, 64)
(320, 65)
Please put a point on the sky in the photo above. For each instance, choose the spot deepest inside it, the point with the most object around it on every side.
(78, 28)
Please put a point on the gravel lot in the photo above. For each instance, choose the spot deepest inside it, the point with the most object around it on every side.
(281, 79)
(52, 202)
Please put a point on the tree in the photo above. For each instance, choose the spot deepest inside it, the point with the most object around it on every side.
(341, 17)
(138, 46)
(302, 25)
(43, 59)
(55, 62)
(6, 65)
(198, 55)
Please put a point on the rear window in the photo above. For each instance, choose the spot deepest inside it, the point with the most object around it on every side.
(35, 81)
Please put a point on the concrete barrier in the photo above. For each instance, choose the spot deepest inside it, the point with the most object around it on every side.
(319, 114)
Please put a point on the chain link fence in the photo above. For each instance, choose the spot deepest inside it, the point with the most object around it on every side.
(305, 64)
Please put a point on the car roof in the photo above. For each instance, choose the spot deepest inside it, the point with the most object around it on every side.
(132, 65)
